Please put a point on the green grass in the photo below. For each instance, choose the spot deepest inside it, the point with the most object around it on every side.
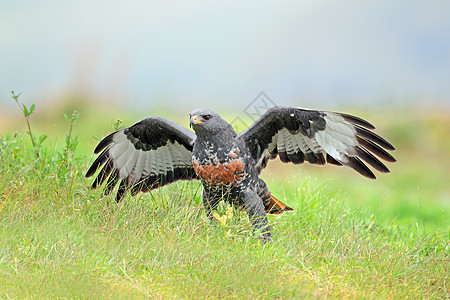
(347, 238)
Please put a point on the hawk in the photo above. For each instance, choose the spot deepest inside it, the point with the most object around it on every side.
(157, 151)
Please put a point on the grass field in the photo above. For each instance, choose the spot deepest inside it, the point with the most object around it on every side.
(348, 237)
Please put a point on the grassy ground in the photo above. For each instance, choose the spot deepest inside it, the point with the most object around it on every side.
(348, 237)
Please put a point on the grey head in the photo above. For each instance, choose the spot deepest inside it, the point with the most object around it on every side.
(205, 121)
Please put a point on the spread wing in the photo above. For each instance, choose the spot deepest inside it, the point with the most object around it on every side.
(319, 137)
(151, 153)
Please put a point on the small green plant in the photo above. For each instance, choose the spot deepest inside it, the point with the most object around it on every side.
(71, 142)
(116, 124)
(37, 142)
(66, 157)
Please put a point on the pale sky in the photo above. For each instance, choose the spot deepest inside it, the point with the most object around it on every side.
(316, 53)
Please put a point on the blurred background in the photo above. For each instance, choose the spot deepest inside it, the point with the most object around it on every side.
(387, 61)
(182, 55)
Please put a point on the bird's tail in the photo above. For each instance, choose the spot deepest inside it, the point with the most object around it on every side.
(276, 207)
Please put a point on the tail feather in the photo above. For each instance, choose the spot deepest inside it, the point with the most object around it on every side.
(276, 207)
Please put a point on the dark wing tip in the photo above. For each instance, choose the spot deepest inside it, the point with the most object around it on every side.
(91, 171)
(372, 136)
(99, 161)
(371, 160)
(375, 149)
(356, 164)
(104, 173)
(390, 147)
(357, 120)
(104, 143)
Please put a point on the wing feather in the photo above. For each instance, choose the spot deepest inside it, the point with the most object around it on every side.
(138, 170)
(130, 164)
(104, 173)
(151, 153)
(319, 137)
(374, 148)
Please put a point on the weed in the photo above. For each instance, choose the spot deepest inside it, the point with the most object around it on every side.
(71, 142)
(27, 112)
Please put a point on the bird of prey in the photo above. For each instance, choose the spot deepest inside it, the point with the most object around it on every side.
(157, 151)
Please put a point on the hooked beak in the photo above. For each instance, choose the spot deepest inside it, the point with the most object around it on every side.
(195, 121)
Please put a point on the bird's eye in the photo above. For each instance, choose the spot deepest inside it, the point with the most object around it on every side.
(206, 117)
